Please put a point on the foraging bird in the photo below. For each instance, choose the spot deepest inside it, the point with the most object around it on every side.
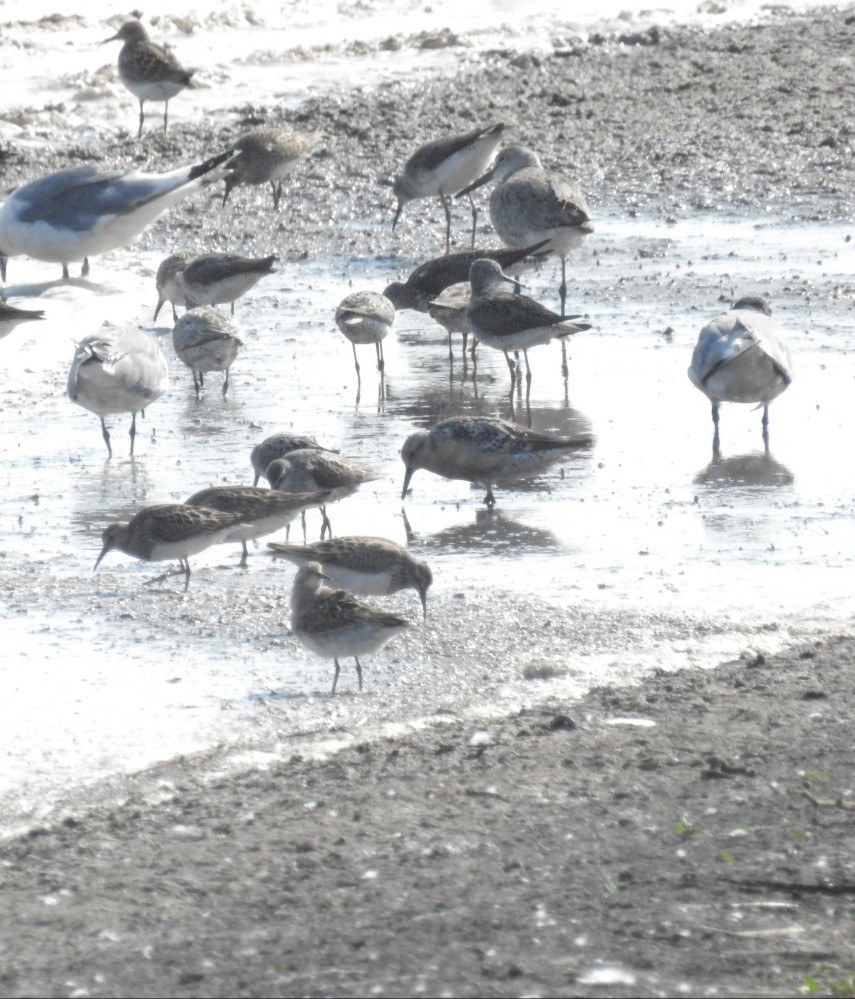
(279, 446)
(365, 317)
(206, 339)
(167, 531)
(443, 167)
(261, 511)
(11, 316)
(77, 213)
(365, 565)
(485, 450)
(530, 204)
(151, 72)
(266, 156)
(168, 283)
(449, 309)
(333, 623)
(742, 356)
(217, 278)
(117, 371)
(507, 321)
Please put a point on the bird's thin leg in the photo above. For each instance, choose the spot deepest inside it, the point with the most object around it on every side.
(233, 307)
(142, 118)
(358, 672)
(84, 270)
(380, 362)
(186, 564)
(512, 367)
(105, 433)
(447, 211)
(562, 290)
(277, 193)
(474, 220)
(165, 114)
(489, 499)
(565, 371)
(527, 368)
(765, 425)
(335, 675)
(245, 554)
(65, 272)
(450, 349)
(197, 384)
(326, 526)
(715, 416)
(226, 383)
(356, 363)
(132, 433)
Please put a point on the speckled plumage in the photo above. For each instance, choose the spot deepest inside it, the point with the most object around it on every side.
(206, 339)
(280, 446)
(267, 155)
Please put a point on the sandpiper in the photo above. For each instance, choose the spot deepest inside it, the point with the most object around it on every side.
(443, 167)
(166, 531)
(365, 317)
(309, 469)
(261, 511)
(279, 446)
(367, 566)
(77, 213)
(529, 204)
(449, 309)
(117, 371)
(217, 278)
(431, 278)
(485, 450)
(168, 283)
(742, 356)
(11, 316)
(151, 72)
(206, 339)
(508, 321)
(266, 156)
(333, 623)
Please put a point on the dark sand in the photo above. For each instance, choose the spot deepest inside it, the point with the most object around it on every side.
(712, 852)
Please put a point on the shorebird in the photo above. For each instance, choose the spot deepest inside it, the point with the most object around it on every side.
(485, 450)
(168, 283)
(217, 278)
(77, 213)
(167, 531)
(279, 446)
(151, 72)
(449, 309)
(443, 167)
(261, 511)
(742, 356)
(117, 371)
(529, 204)
(367, 566)
(333, 623)
(11, 316)
(365, 317)
(265, 156)
(507, 321)
(206, 339)
(309, 469)
(431, 278)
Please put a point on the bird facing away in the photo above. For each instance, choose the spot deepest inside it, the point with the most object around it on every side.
(485, 450)
(117, 371)
(333, 623)
(364, 565)
(261, 511)
(75, 214)
(11, 316)
(151, 72)
(266, 156)
(168, 283)
(167, 531)
(206, 339)
(444, 166)
(217, 278)
(310, 469)
(365, 317)
(742, 356)
(279, 446)
(530, 204)
(507, 321)
(431, 278)
(449, 309)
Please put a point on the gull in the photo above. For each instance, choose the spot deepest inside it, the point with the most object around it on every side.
(507, 321)
(151, 72)
(310, 469)
(279, 446)
(261, 511)
(168, 283)
(742, 356)
(365, 565)
(167, 531)
(206, 339)
(83, 211)
(217, 278)
(431, 278)
(443, 167)
(365, 317)
(11, 316)
(485, 450)
(117, 371)
(265, 156)
(529, 204)
(333, 623)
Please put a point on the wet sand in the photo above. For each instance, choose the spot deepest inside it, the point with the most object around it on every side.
(711, 850)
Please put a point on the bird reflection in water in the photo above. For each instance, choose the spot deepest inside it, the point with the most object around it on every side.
(490, 531)
(758, 468)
